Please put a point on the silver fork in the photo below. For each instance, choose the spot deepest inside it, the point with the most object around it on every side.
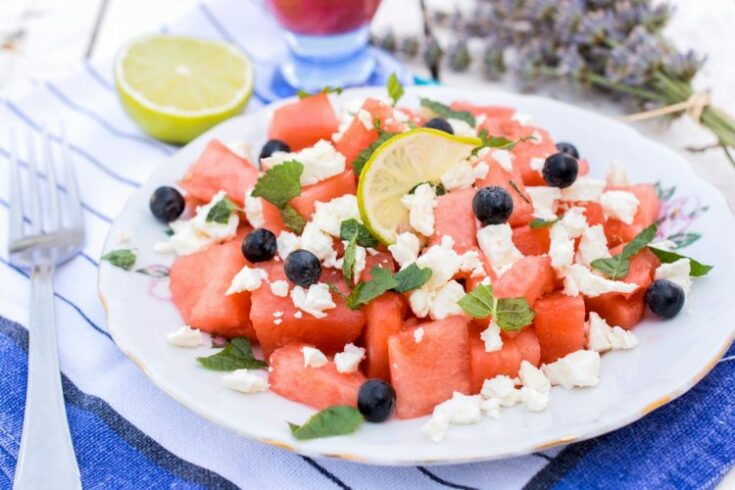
(46, 458)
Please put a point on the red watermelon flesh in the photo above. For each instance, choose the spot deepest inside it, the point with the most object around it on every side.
(453, 216)
(529, 278)
(426, 373)
(384, 318)
(648, 211)
(528, 346)
(559, 325)
(198, 284)
(218, 168)
(525, 151)
(489, 111)
(618, 310)
(486, 365)
(357, 137)
(319, 388)
(324, 191)
(532, 241)
(522, 208)
(302, 123)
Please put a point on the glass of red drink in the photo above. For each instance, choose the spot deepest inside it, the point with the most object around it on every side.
(327, 39)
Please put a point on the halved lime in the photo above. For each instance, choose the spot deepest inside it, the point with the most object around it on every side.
(396, 167)
(177, 87)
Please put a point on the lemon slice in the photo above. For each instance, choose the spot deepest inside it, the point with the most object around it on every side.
(177, 87)
(396, 167)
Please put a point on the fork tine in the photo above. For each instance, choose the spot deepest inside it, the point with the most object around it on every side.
(15, 231)
(72, 188)
(54, 216)
(34, 194)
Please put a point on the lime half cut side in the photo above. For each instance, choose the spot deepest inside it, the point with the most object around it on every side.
(399, 165)
(177, 87)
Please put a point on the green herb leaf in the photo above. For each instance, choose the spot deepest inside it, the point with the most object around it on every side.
(292, 219)
(362, 158)
(337, 291)
(168, 232)
(301, 94)
(395, 89)
(439, 189)
(518, 191)
(618, 266)
(412, 277)
(698, 269)
(238, 354)
(443, 110)
(348, 259)
(480, 303)
(541, 223)
(382, 281)
(498, 142)
(333, 421)
(123, 258)
(221, 211)
(364, 237)
(154, 270)
(280, 184)
(513, 313)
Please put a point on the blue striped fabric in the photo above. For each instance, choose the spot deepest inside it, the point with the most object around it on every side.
(128, 434)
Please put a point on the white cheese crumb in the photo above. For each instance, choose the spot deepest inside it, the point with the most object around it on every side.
(491, 337)
(406, 249)
(544, 201)
(436, 429)
(328, 216)
(561, 249)
(280, 288)
(480, 170)
(314, 300)
(462, 128)
(349, 359)
(420, 302)
(320, 162)
(580, 368)
(533, 378)
(460, 176)
(496, 242)
(365, 118)
(245, 381)
(316, 241)
(592, 246)
(420, 207)
(218, 232)
(537, 164)
(278, 314)
(460, 410)
(602, 337)
(581, 280)
(442, 260)
(418, 335)
(444, 301)
(536, 138)
(470, 262)
(313, 357)
(277, 321)
(621, 205)
(254, 210)
(287, 242)
(617, 176)
(574, 221)
(298, 314)
(185, 337)
(583, 189)
(503, 388)
(678, 272)
(535, 401)
(248, 279)
(522, 118)
(504, 158)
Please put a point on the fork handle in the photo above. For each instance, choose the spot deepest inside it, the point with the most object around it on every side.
(46, 458)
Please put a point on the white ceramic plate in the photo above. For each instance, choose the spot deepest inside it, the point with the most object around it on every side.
(671, 358)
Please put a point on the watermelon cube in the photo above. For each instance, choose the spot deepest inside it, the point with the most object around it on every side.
(648, 210)
(302, 123)
(453, 216)
(384, 318)
(532, 241)
(559, 325)
(486, 365)
(522, 207)
(324, 191)
(528, 278)
(489, 111)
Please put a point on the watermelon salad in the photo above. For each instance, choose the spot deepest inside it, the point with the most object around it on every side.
(377, 261)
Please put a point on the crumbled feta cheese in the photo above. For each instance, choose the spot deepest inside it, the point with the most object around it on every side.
(298, 314)
(443, 261)
(537, 164)
(185, 337)
(533, 378)
(583, 189)
(420, 207)
(470, 262)
(333, 261)
(418, 335)
(278, 314)
(320, 162)
(617, 176)
(218, 232)
(503, 388)
(316, 241)
(480, 170)
(522, 118)
(592, 246)
(328, 216)
(314, 300)
(491, 407)
(406, 249)
(239, 148)
(496, 242)
(444, 301)
(163, 248)
(436, 429)
(504, 158)
(491, 337)
(602, 337)
(460, 176)
(581, 280)
(248, 279)
(535, 401)
(277, 321)
(245, 381)
(678, 272)
(459, 410)
(621, 205)
(360, 262)
(365, 118)
(536, 138)
(462, 128)
(561, 249)
(349, 359)
(254, 211)
(544, 201)
(574, 222)
(280, 288)
(420, 302)
(580, 368)
(313, 357)
(287, 242)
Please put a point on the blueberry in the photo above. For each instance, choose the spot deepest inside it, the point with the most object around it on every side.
(302, 268)
(167, 204)
(440, 124)
(376, 400)
(260, 245)
(272, 146)
(665, 298)
(492, 205)
(560, 170)
(568, 148)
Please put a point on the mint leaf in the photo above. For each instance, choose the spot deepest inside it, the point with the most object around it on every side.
(362, 158)
(395, 89)
(412, 277)
(280, 184)
(302, 94)
(541, 223)
(292, 219)
(443, 110)
(364, 237)
(348, 259)
(154, 270)
(480, 303)
(518, 191)
(123, 258)
(238, 354)
(168, 232)
(499, 142)
(617, 267)
(333, 421)
(221, 212)
(382, 281)
(698, 269)
(640, 241)
(513, 313)
(333, 287)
